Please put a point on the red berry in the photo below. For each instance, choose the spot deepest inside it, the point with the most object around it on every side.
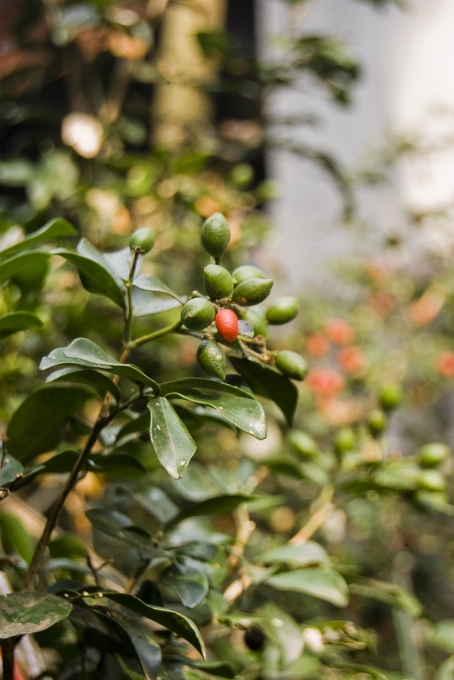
(227, 324)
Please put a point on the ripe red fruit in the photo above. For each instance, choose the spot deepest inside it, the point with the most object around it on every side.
(227, 324)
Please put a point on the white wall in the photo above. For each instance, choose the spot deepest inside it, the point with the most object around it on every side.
(407, 59)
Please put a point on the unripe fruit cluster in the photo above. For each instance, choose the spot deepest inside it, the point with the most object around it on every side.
(247, 287)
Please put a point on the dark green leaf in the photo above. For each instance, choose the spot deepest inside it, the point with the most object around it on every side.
(118, 466)
(119, 526)
(302, 555)
(10, 470)
(268, 383)
(153, 285)
(324, 584)
(56, 228)
(177, 623)
(60, 463)
(157, 503)
(220, 505)
(36, 426)
(171, 440)
(26, 613)
(18, 321)
(22, 262)
(84, 352)
(95, 273)
(138, 425)
(239, 407)
(83, 376)
(15, 538)
(190, 585)
(147, 650)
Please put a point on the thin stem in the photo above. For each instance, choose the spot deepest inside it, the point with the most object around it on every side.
(129, 315)
(54, 516)
(8, 658)
(156, 334)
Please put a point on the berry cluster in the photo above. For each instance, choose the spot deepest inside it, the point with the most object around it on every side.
(230, 311)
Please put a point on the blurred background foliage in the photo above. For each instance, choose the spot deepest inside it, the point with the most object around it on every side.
(124, 115)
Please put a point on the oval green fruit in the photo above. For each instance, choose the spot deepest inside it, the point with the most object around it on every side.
(252, 291)
(247, 271)
(430, 499)
(215, 235)
(303, 443)
(211, 357)
(292, 364)
(143, 238)
(283, 310)
(390, 396)
(217, 281)
(257, 317)
(242, 175)
(431, 455)
(376, 422)
(431, 480)
(345, 440)
(197, 314)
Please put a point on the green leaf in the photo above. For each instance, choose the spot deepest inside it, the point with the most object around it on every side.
(26, 613)
(388, 593)
(84, 352)
(147, 650)
(145, 304)
(189, 584)
(171, 440)
(15, 538)
(18, 321)
(155, 502)
(22, 262)
(220, 505)
(102, 383)
(119, 526)
(324, 584)
(56, 228)
(268, 383)
(118, 466)
(153, 285)
(60, 463)
(174, 621)
(239, 407)
(38, 424)
(10, 470)
(95, 273)
(302, 555)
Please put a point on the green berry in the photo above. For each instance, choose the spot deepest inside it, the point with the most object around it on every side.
(303, 443)
(143, 238)
(430, 499)
(292, 364)
(242, 175)
(215, 235)
(257, 317)
(431, 480)
(211, 357)
(218, 282)
(431, 455)
(252, 291)
(345, 440)
(376, 422)
(390, 396)
(247, 271)
(283, 310)
(197, 314)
